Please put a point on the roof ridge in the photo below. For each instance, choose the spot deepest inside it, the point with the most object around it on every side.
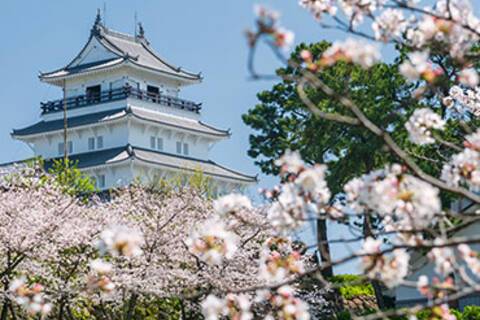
(121, 35)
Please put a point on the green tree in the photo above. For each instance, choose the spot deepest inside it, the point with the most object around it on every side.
(71, 179)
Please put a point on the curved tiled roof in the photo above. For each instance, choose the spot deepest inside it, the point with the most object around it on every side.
(55, 125)
(158, 158)
(116, 114)
(127, 49)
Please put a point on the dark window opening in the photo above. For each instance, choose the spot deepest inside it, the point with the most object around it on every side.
(93, 93)
(153, 92)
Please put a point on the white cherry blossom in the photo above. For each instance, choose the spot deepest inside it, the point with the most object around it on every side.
(213, 307)
(391, 23)
(391, 270)
(351, 50)
(120, 240)
(469, 77)
(419, 66)
(212, 242)
(319, 7)
(443, 258)
(231, 203)
(463, 169)
(420, 125)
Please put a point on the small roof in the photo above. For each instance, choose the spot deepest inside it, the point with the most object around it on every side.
(124, 49)
(158, 158)
(116, 114)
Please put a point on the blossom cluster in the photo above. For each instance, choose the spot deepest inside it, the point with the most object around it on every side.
(420, 126)
(418, 66)
(279, 261)
(120, 241)
(351, 51)
(233, 306)
(402, 200)
(285, 305)
(390, 270)
(449, 22)
(468, 100)
(305, 191)
(464, 167)
(30, 297)
(99, 278)
(319, 7)
(212, 242)
(391, 23)
(268, 26)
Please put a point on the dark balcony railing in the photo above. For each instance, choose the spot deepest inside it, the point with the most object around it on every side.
(115, 95)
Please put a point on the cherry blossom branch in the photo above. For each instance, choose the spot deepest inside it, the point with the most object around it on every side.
(389, 142)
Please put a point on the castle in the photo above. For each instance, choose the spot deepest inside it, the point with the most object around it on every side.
(122, 119)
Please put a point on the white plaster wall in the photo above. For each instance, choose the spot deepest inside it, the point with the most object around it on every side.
(114, 135)
(118, 175)
(139, 135)
(120, 133)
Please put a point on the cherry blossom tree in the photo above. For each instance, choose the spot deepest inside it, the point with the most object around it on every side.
(45, 235)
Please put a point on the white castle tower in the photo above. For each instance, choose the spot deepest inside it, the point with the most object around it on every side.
(125, 118)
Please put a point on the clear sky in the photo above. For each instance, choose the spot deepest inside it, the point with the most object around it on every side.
(204, 36)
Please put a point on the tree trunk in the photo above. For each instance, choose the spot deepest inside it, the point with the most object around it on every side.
(4, 314)
(324, 248)
(131, 307)
(60, 310)
(12, 310)
(377, 286)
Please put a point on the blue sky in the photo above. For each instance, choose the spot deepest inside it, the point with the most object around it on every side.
(204, 36)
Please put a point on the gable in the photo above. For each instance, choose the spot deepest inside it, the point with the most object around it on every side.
(93, 52)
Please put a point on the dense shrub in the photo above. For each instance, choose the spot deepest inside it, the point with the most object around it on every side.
(352, 285)
(471, 313)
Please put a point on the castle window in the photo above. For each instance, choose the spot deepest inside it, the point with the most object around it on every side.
(179, 147)
(61, 147)
(185, 149)
(91, 143)
(100, 181)
(152, 142)
(93, 93)
(153, 91)
(100, 142)
(159, 144)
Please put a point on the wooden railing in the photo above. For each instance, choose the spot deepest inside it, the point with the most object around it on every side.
(115, 95)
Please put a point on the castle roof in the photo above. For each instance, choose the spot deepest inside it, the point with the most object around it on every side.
(157, 158)
(104, 117)
(121, 49)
